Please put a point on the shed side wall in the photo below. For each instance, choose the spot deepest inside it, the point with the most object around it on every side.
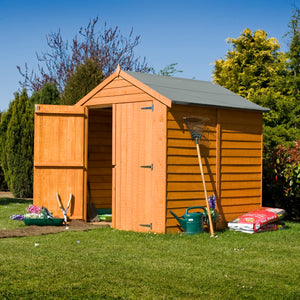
(241, 162)
(184, 183)
(231, 149)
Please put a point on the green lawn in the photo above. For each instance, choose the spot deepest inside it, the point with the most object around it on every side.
(9, 207)
(109, 264)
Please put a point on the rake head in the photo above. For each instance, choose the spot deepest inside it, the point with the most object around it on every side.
(195, 126)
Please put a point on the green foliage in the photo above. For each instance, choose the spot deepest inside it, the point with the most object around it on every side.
(16, 137)
(83, 80)
(3, 184)
(5, 118)
(48, 94)
(287, 170)
(294, 46)
(168, 70)
(250, 65)
(255, 68)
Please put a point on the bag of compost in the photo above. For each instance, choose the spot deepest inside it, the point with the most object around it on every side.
(256, 220)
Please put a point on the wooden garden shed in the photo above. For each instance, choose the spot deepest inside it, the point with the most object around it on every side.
(125, 146)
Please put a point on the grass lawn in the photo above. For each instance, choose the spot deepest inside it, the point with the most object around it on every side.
(109, 264)
(9, 207)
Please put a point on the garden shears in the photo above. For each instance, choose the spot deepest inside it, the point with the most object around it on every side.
(61, 206)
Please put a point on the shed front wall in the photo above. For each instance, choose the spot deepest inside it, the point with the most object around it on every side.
(138, 139)
(231, 150)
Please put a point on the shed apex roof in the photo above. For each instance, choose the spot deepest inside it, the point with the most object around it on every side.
(190, 91)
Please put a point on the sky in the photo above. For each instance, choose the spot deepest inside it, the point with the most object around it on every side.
(191, 33)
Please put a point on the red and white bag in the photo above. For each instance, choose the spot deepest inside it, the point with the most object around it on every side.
(257, 220)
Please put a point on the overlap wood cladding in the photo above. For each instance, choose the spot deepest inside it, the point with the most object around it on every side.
(231, 156)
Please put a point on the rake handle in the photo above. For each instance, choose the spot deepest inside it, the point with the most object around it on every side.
(205, 191)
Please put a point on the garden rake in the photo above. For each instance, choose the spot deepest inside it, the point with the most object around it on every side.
(195, 126)
(61, 206)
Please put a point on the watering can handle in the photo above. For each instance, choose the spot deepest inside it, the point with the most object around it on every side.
(192, 207)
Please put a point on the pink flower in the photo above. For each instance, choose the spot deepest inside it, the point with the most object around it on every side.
(34, 209)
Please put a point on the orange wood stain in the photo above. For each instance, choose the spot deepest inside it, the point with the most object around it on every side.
(108, 135)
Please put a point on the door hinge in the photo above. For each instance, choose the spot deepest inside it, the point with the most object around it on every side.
(147, 167)
(149, 107)
(147, 225)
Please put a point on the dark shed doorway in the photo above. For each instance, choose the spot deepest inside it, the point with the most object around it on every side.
(100, 158)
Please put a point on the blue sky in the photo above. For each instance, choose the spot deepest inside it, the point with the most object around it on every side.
(191, 33)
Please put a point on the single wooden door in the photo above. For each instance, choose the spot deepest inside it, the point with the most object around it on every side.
(133, 166)
(60, 158)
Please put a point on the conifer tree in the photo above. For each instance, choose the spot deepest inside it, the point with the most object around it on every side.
(83, 80)
(48, 94)
(18, 149)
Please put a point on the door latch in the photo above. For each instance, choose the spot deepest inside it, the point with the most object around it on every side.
(147, 167)
(147, 225)
(149, 107)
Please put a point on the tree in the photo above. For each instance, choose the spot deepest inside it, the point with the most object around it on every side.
(17, 150)
(3, 184)
(294, 45)
(83, 80)
(250, 65)
(168, 70)
(107, 47)
(255, 69)
(48, 94)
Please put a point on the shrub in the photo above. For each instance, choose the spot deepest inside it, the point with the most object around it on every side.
(282, 179)
(16, 139)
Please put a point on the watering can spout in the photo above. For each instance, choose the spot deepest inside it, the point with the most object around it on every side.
(182, 222)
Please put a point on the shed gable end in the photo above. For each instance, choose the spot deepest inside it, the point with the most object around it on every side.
(118, 90)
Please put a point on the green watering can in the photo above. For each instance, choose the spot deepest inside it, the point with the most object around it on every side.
(192, 222)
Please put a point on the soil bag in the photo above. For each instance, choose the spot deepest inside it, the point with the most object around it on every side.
(259, 220)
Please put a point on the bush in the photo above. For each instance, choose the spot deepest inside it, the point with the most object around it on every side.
(16, 139)
(282, 179)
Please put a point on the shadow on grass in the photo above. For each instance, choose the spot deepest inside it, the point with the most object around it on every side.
(7, 201)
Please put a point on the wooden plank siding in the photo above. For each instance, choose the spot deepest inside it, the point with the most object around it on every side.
(60, 158)
(231, 153)
(140, 192)
(241, 162)
(138, 137)
(184, 183)
(100, 157)
(117, 92)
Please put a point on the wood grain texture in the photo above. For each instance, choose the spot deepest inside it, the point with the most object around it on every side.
(232, 152)
(140, 194)
(60, 158)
